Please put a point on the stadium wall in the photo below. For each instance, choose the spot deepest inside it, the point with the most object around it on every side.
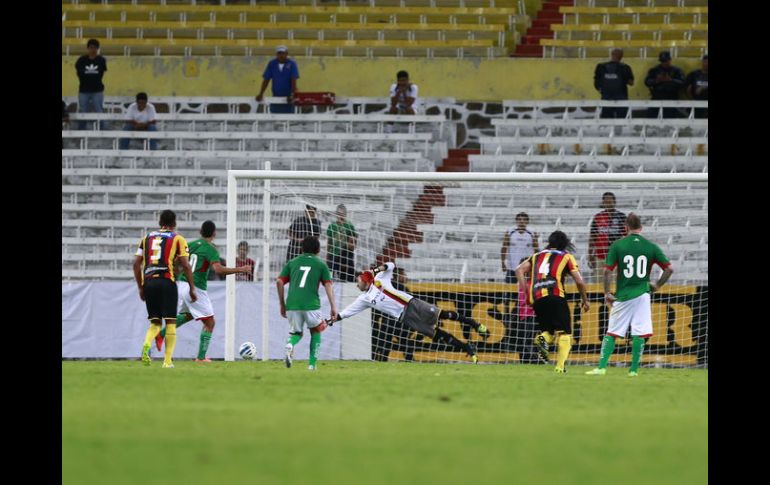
(107, 320)
(463, 79)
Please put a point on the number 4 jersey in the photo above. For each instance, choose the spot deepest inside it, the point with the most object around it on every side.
(304, 274)
(635, 255)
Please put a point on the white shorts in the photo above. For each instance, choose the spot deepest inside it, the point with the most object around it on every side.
(298, 318)
(635, 313)
(200, 308)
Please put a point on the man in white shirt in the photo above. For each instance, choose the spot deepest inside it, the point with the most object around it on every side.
(141, 117)
(420, 316)
(518, 243)
(403, 95)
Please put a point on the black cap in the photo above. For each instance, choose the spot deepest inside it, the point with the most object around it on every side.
(310, 207)
(664, 56)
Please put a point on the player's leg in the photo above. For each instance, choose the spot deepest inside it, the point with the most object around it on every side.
(205, 339)
(641, 330)
(295, 334)
(183, 312)
(450, 315)
(620, 319)
(563, 337)
(449, 339)
(544, 320)
(154, 314)
(315, 319)
(169, 316)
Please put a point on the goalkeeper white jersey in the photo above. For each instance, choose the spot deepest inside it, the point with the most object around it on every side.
(381, 295)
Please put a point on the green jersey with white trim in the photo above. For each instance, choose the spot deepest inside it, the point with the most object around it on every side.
(304, 274)
(635, 255)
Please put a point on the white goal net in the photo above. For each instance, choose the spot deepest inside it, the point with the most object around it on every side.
(453, 237)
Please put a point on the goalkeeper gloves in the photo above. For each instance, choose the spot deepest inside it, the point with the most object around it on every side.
(330, 321)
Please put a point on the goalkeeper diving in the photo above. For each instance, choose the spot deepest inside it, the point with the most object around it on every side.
(420, 316)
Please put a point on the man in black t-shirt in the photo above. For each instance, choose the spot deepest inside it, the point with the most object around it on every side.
(697, 83)
(91, 68)
(665, 81)
(305, 225)
(612, 79)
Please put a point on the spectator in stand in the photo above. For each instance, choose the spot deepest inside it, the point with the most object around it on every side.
(612, 79)
(403, 98)
(607, 227)
(243, 259)
(141, 117)
(518, 243)
(697, 83)
(665, 81)
(303, 226)
(90, 68)
(283, 72)
(341, 237)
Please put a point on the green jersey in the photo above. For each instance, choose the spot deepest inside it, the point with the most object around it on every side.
(338, 235)
(202, 256)
(304, 274)
(635, 255)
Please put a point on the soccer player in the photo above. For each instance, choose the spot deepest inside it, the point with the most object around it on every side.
(155, 255)
(420, 316)
(630, 305)
(303, 307)
(545, 293)
(203, 258)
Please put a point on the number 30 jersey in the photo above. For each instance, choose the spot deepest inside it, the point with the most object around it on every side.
(635, 256)
(549, 267)
(304, 274)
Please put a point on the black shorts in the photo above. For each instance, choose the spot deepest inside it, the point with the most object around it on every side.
(552, 314)
(160, 296)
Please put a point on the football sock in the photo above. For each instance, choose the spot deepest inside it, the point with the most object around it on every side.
(170, 341)
(608, 346)
(637, 346)
(203, 346)
(565, 344)
(295, 338)
(447, 338)
(549, 339)
(315, 345)
(152, 332)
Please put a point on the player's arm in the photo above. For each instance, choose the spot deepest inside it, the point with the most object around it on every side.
(360, 304)
(384, 268)
(138, 274)
(668, 270)
(521, 271)
(609, 273)
(222, 270)
(504, 250)
(330, 295)
(279, 284)
(187, 270)
(575, 273)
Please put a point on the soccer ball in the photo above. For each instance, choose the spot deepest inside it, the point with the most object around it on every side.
(248, 350)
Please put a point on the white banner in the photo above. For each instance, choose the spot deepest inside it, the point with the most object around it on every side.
(102, 319)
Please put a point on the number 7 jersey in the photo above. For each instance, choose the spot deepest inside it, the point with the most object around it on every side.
(304, 274)
(635, 255)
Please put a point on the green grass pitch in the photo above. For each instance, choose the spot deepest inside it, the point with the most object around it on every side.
(380, 423)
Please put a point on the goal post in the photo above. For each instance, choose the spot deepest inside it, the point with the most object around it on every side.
(444, 232)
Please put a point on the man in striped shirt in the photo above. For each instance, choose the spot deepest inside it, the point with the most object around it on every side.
(154, 275)
(420, 316)
(545, 293)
